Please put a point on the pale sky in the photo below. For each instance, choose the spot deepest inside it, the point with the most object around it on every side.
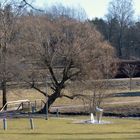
(93, 8)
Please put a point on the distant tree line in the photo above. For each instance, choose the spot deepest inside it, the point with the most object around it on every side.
(121, 29)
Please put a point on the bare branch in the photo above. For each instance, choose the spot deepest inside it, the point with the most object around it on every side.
(34, 87)
(52, 74)
(30, 5)
(74, 96)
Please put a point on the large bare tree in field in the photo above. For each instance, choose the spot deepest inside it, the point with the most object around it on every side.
(66, 50)
(11, 12)
(8, 57)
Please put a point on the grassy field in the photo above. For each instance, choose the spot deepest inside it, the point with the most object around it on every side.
(31, 94)
(66, 129)
(126, 102)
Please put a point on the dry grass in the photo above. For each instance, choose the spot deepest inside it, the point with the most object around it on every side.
(22, 94)
(109, 103)
(65, 129)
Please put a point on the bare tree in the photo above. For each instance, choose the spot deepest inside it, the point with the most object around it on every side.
(59, 10)
(122, 12)
(8, 56)
(129, 70)
(67, 49)
(97, 93)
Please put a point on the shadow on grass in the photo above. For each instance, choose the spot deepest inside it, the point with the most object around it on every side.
(127, 94)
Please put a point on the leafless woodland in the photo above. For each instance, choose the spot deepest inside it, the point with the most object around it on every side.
(41, 47)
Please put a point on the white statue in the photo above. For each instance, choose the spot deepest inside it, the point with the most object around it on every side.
(99, 112)
(92, 120)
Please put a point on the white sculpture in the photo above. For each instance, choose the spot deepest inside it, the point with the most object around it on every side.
(99, 112)
(92, 120)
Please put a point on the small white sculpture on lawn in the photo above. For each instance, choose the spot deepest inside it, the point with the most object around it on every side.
(99, 113)
(92, 120)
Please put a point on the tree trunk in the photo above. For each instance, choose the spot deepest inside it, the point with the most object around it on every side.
(4, 98)
(130, 84)
(51, 100)
(120, 47)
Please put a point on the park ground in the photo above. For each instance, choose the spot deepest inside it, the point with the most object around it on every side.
(68, 128)
(124, 103)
